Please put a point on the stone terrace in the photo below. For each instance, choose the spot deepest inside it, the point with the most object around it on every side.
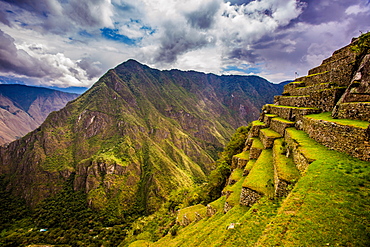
(331, 104)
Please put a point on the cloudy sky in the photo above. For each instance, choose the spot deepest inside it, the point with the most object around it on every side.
(67, 43)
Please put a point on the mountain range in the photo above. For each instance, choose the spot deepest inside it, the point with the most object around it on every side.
(135, 136)
(24, 108)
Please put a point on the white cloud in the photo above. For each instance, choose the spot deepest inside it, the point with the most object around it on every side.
(204, 35)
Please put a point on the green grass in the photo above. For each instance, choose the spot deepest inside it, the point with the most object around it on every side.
(295, 96)
(285, 166)
(236, 189)
(329, 206)
(271, 115)
(257, 143)
(190, 212)
(317, 74)
(261, 177)
(250, 165)
(361, 102)
(236, 174)
(282, 120)
(270, 133)
(293, 107)
(243, 155)
(315, 85)
(257, 123)
(218, 204)
(326, 116)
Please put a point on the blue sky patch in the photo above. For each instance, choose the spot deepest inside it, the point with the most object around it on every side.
(247, 69)
(112, 34)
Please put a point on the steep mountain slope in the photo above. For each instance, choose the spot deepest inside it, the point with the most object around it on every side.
(303, 178)
(24, 108)
(137, 134)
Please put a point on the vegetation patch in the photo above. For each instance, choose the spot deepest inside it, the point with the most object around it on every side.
(191, 213)
(250, 165)
(270, 133)
(257, 143)
(293, 107)
(236, 189)
(257, 123)
(285, 166)
(283, 120)
(236, 175)
(326, 116)
(261, 177)
(243, 155)
(330, 205)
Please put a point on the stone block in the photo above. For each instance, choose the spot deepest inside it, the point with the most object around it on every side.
(352, 140)
(248, 197)
(267, 137)
(279, 125)
(291, 113)
(355, 110)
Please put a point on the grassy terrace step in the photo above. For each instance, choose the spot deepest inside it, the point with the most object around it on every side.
(213, 231)
(279, 125)
(267, 119)
(190, 214)
(324, 99)
(312, 88)
(234, 194)
(285, 171)
(256, 148)
(256, 126)
(240, 160)
(344, 135)
(235, 176)
(268, 136)
(291, 113)
(291, 86)
(248, 167)
(317, 78)
(326, 116)
(329, 206)
(216, 206)
(261, 177)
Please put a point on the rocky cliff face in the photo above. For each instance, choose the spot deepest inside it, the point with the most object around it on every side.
(137, 134)
(24, 108)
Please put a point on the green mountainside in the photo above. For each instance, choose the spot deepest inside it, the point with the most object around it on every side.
(135, 136)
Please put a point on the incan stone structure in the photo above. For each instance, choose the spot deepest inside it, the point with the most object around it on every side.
(331, 104)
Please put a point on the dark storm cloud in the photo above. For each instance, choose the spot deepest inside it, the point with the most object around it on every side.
(3, 18)
(203, 17)
(321, 11)
(84, 12)
(92, 70)
(244, 55)
(19, 61)
(40, 7)
(60, 16)
(177, 41)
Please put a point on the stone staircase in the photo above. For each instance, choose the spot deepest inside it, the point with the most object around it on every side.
(331, 104)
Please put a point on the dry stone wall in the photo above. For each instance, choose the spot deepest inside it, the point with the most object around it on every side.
(352, 140)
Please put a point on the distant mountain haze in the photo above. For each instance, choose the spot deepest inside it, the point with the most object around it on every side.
(24, 108)
(134, 136)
